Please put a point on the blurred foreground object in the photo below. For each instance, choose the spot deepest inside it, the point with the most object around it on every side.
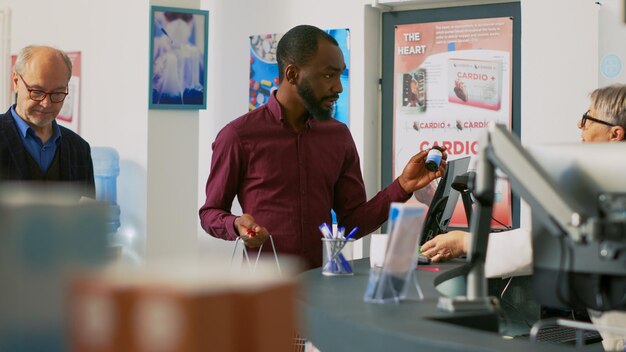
(183, 306)
(46, 234)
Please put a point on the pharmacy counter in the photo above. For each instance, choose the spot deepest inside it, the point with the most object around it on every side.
(335, 317)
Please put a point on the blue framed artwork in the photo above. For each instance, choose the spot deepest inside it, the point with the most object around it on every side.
(264, 70)
(178, 58)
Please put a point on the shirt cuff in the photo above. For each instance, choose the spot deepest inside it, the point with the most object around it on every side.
(230, 227)
(396, 193)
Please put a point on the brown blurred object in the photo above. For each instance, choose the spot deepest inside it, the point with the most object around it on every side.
(100, 315)
(157, 314)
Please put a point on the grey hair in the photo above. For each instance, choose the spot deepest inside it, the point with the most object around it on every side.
(610, 103)
(26, 54)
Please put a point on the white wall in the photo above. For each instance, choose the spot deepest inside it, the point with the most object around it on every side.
(5, 51)
(559, 68)
(612, 51)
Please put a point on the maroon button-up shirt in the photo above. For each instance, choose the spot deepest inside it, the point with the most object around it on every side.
(289, 182)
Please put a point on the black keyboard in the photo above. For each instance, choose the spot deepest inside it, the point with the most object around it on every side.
(565, 335)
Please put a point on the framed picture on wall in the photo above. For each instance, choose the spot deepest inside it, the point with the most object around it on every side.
(178, 58)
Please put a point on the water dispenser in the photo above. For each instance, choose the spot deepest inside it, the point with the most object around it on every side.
(106, 168)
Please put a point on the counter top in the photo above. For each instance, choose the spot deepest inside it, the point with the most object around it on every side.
(336, 318)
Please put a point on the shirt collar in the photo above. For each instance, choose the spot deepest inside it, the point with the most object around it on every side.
(274, 107)
(23, 127)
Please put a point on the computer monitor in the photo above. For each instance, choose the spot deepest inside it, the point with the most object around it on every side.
(444, 200)
(590, 273)
(579, 235)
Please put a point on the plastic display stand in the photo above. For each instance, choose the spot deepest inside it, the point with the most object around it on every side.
(393, 282)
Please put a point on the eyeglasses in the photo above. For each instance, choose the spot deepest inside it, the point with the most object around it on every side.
(40, 95)
(586, 117)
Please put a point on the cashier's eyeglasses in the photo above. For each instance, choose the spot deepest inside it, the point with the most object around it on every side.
(586, 117)
(40, 95)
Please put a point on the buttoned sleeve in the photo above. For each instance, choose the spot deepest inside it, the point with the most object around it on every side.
(222, 185)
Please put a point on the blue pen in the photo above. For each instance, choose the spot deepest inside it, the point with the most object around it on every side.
(329, 229)
(344, 263)
(354, 230)
(338, 255)
(342, 259)
(333, 265)
(325, 230)
(326, 233)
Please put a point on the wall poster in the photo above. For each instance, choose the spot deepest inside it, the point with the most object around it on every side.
(70, 113)
(264, 70)
(452, 79)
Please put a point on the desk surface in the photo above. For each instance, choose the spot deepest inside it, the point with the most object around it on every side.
(337, 319)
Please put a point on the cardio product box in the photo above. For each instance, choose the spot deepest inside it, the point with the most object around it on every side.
(475, 83)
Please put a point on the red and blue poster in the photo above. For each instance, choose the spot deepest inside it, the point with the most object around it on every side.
(264, 71)
(452, 80)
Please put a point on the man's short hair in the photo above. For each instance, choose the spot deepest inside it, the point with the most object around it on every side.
(27, 53)
(610, 103)
(298, 46)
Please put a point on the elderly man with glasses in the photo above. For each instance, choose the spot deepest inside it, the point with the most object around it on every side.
(33, 147)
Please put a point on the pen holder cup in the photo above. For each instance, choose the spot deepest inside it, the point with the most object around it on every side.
(338, 254)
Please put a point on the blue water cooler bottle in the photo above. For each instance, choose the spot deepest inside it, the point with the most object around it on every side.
(106, 168)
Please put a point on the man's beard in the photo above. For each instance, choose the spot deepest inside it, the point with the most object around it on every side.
(313, 105)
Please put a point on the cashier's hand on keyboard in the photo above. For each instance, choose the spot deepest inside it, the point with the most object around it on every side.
(252, 234)
(446, 246)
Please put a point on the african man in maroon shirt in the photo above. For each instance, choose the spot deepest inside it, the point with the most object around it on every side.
(289, 162)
